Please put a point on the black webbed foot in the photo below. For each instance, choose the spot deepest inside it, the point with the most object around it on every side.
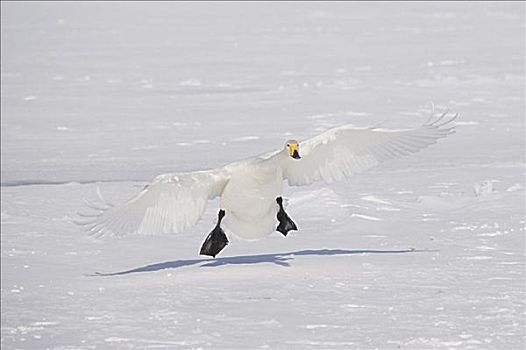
(214, 243)
(285, 222)
(216, 240)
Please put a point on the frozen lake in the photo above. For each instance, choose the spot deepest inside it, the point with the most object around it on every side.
(426, 252)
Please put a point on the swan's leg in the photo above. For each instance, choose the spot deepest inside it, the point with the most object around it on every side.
(216, 240)
(285, 222)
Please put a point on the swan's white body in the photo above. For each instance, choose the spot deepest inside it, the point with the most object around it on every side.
(249, 188)
(250, 195)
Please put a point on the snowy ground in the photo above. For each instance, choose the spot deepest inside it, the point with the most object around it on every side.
(427, 252)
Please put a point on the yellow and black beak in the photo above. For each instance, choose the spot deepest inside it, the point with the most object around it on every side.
(294, 151)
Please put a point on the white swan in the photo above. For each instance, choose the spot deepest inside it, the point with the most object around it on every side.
(250, 190)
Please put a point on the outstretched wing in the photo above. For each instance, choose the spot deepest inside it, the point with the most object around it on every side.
(346, 150)
(171, 203)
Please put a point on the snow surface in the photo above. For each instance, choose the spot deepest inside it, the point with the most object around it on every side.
(427, 252)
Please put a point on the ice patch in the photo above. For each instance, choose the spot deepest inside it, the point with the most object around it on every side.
(317, 326)
(245, 138)
(467, 123)
(480, 257)
(491, 234)
(354, 306)
(96, 318)
(387, 209)
(404, 192)
(376, 200)
(485, 248)
(465, 336)
(321, 344)
(353, 205)
(148, 341)
(464, 228)
(366, 217)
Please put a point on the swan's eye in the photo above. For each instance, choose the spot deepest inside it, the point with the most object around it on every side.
(288, 145)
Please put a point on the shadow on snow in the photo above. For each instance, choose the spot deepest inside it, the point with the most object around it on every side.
(281, 259)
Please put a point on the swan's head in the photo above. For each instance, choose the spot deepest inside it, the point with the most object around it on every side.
(293, 147)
